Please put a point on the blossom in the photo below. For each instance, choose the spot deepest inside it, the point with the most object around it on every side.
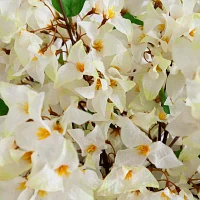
(101, 104)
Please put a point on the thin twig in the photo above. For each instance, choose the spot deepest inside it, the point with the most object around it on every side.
(67, 23)
(169, 182)
(166, 133)
(108, 142)
(159, 131)
(174, 141)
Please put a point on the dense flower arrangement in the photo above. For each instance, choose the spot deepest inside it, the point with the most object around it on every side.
(100, 99)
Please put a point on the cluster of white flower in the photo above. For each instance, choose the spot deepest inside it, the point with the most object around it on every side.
(102, 104)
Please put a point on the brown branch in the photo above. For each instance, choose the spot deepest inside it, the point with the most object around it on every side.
(53, 39)
(177, 188)
(164, 173)
(104, 162)
(49, 9)
(166, 133)
(108, 142)
(67, 23)
(159, 131)
(194, 179)
(174, 141)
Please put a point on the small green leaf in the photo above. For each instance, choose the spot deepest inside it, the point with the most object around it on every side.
(60, 59)
(90, 112)
(177, 153)
(163, 97)
(133, 19)
(3, 108)
(70, 7)
(86, 126)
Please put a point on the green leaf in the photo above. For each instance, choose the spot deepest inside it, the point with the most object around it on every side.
(90, 112)
(70, 7)
(86, 126)
(163, 97)
(3, 108)
(60, 59)
(133, 19)
(177, 153)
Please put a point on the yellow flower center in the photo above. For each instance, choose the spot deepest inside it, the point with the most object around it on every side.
(27, 156)
(164, 196)
(117, 68)
(162, 115)
(166, 39)
(137, 88)
(129, 175)
(34, 58)
(25, 107)
(42, 193)
(63, 170)
(113, 83)
(192, 32)
(20, 32)
(98, 84)
(112, 116)
(143, 150)
(141, 37)
(161, 27)
(82, 170)
(42, 133)
(158, 69)
(185, 198)
(174, 191)
(22, 186)
(58, 127)
(111, 13)
(91, 149)
(98, 45)
(80, 66)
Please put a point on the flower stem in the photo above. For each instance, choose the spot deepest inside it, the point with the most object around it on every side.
(67, 23)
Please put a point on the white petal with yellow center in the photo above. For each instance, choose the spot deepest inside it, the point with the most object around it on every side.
(45, 180)
(131, 135)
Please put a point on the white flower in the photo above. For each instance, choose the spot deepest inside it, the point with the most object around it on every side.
(124, 179)
(97, 106)
(91, 144)
(27, 104)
